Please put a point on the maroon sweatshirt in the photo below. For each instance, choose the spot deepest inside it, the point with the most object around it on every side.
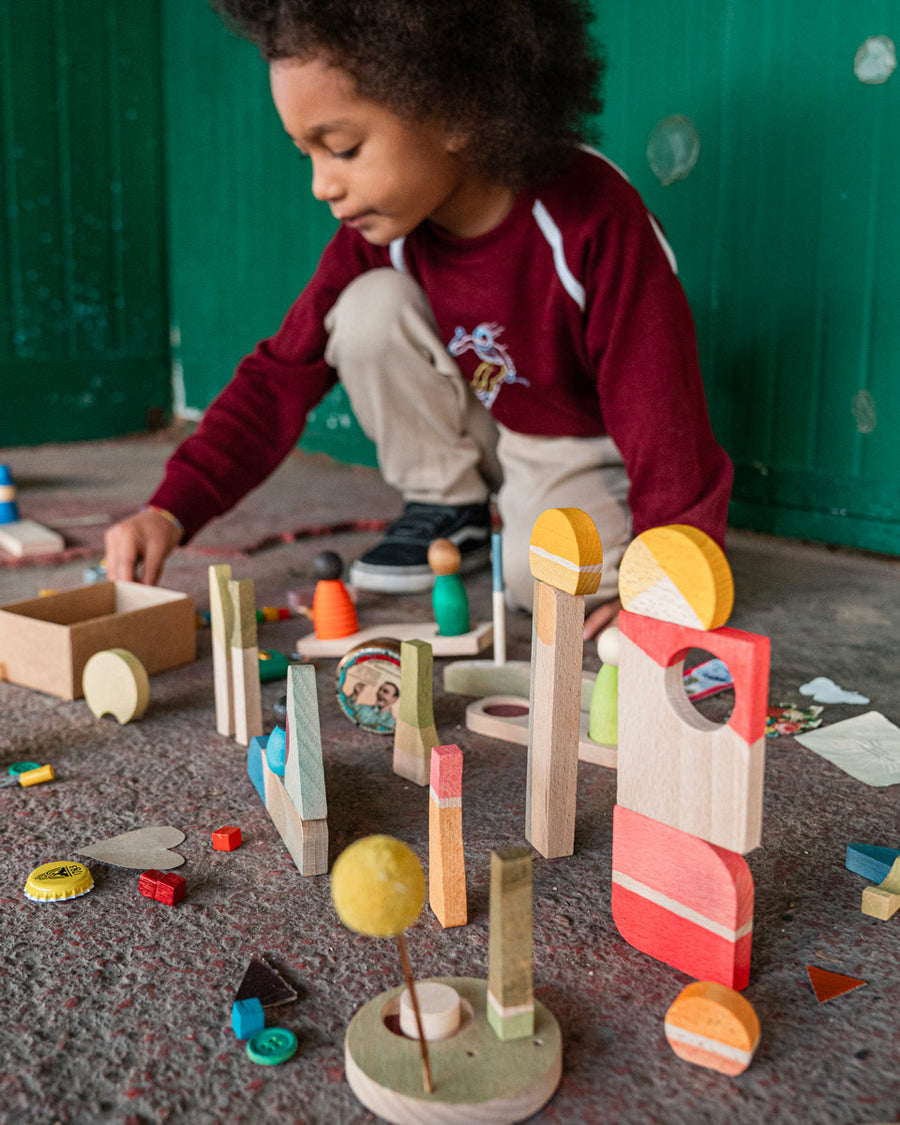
(567, 318)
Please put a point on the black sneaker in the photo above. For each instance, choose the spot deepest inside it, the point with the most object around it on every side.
(399, 564)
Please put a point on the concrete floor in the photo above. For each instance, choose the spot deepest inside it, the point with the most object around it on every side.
(116, 1008)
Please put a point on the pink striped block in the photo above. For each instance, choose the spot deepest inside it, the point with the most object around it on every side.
(446, 772)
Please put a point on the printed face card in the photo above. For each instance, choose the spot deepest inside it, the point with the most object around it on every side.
(866, 746)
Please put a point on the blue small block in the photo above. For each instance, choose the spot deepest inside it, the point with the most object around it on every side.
(276, 751)
(254, 766)
(247, 1017)
(870, 861)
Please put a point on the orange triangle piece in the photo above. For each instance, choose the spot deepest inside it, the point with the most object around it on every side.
(827, 985)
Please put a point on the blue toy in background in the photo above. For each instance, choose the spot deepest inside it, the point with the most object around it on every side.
(9, 509)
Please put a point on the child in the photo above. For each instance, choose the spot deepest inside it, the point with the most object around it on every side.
(500, 307)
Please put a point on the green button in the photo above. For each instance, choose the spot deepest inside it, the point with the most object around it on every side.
(22, 767)
(272, 1045)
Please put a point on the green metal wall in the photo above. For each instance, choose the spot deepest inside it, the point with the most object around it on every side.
(83, 320)
(785, 229)
(245, 232)
(788, 242)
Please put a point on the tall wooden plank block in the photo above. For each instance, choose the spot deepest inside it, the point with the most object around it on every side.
(510, 997)
(566, 559)
(446, 861)
(304, 774)
(675, 766)
(415, 734)
(221, 620)
(245, 663)
(682, 900)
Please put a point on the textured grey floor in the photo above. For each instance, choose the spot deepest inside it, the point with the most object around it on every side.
(116, 1008)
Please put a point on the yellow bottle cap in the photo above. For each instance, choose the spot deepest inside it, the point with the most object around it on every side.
(35, 777)
(58, 880)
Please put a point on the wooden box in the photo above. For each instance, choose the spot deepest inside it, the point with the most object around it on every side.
(46, 642)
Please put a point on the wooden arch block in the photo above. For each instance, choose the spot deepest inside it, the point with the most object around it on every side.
(675, 766)
(677, 573)
(681, 900)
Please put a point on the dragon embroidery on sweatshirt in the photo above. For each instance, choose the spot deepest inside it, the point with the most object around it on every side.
(497, 365)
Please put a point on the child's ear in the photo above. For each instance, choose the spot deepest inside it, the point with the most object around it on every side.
(455, 141)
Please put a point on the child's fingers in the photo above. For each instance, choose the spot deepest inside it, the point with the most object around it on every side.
(601, 618)
(122, 554)
(154, 556)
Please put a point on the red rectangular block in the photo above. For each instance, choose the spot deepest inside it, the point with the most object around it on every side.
(147, 882)
(226, 839)
(682, 900)
(170, 889)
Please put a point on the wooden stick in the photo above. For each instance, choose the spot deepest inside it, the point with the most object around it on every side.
(411, 985)
(498, 603)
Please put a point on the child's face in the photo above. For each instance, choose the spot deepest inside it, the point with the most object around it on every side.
(381, 175)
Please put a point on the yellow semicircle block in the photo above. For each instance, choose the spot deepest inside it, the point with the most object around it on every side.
(713, 1026)
(677, 573)
(115, 683)
(565, 551)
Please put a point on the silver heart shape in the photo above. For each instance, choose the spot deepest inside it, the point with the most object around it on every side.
(144, 848)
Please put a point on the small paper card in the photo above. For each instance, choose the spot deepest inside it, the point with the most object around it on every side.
(866, 746)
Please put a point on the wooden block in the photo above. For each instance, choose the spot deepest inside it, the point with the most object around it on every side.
(565, 551)
(221, 622)
(714, 1027)
(828, 985)
(245, 683)
(555, 721)
(682, 900)
(677, 574)
(46, 642)
(306, 840)
(304, 774)
(116, 683)
(675, 766)
(477, 1077)
(415, 734)
(25, 537)
(446, 861)
(467, 644)
(483, 677)
(883, 901)
(510, 997)
(439, 1011)
(872, 862)
(505, 717)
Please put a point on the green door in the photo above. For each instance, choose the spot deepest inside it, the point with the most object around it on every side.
(83, 323)
(787, 237)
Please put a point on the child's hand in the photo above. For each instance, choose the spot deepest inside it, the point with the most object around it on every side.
(601, 618)
(147, 538)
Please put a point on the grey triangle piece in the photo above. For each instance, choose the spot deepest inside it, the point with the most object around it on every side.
(262, 982)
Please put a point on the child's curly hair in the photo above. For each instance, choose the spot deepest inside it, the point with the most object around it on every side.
(518, 78)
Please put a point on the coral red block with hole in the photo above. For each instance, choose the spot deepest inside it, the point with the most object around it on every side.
(682, 900)
(226, 839)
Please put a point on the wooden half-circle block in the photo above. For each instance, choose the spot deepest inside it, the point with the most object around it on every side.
(677, 573)
(565, 551)
(713, 1026)
(115, 683)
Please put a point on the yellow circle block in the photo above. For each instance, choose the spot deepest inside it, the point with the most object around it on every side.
(565, 551)
(58, 880)
(678, 574)
(378, 886)
(115, 683)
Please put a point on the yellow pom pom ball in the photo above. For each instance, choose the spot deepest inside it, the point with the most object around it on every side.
(378, 886)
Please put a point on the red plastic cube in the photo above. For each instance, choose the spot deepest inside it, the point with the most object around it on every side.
(170, 889)
(147, 882)
(226, 839)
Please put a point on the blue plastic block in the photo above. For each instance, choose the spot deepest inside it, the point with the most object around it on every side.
(276, 751)
(254, 766)
(247, 1017)
(870, 861)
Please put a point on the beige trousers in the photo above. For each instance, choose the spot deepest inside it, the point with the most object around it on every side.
(437, 444)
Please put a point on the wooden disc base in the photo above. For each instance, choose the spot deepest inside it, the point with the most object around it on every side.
(478, 1078)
